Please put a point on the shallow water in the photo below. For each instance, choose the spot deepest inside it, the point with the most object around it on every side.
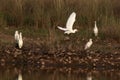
(58, 74)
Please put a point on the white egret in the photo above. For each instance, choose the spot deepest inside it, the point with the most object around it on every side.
(16, 36)
(95, 29)
(69, 25)
(20, 42)
(20, 77)
(88, 44)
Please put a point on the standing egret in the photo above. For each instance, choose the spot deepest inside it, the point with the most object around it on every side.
(20, 42)
(88, 44)
(95, 29)
(69, 25)
(16, 36)
(19, 77)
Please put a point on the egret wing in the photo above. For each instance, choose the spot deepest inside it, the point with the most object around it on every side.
(70, 21)
(64, 29)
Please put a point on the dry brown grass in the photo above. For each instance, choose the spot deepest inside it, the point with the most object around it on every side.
(42, 14)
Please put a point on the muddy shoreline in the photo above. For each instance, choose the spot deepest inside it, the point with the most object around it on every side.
(40, 57)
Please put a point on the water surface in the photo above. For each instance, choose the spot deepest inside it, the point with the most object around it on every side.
(58, 74)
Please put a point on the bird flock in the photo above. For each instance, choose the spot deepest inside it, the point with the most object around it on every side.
(18, 39)
(67, 30)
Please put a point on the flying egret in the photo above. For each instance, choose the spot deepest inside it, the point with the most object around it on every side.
(20, 42)
(16, 36)
(95, 29)
(69, 25)
(20, 77)
(88, 44)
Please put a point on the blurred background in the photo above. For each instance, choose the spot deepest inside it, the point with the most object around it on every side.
(41, 17)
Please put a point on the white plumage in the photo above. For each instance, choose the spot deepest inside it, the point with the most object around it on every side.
(20, 42)
(16, 36)
(69, 25)
(88, 44)
(19, 77)
(95, 29)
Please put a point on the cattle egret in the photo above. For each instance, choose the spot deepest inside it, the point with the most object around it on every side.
(69, 25)
(95, 29)
(19, 77)
(88, 44)
(16, 36)
(20, 42)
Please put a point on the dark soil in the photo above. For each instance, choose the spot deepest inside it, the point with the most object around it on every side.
(32, 54)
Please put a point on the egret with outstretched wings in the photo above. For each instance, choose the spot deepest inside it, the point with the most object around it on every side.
(69, 25)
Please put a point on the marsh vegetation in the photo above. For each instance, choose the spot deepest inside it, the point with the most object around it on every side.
(44, 16)
(38, 21)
